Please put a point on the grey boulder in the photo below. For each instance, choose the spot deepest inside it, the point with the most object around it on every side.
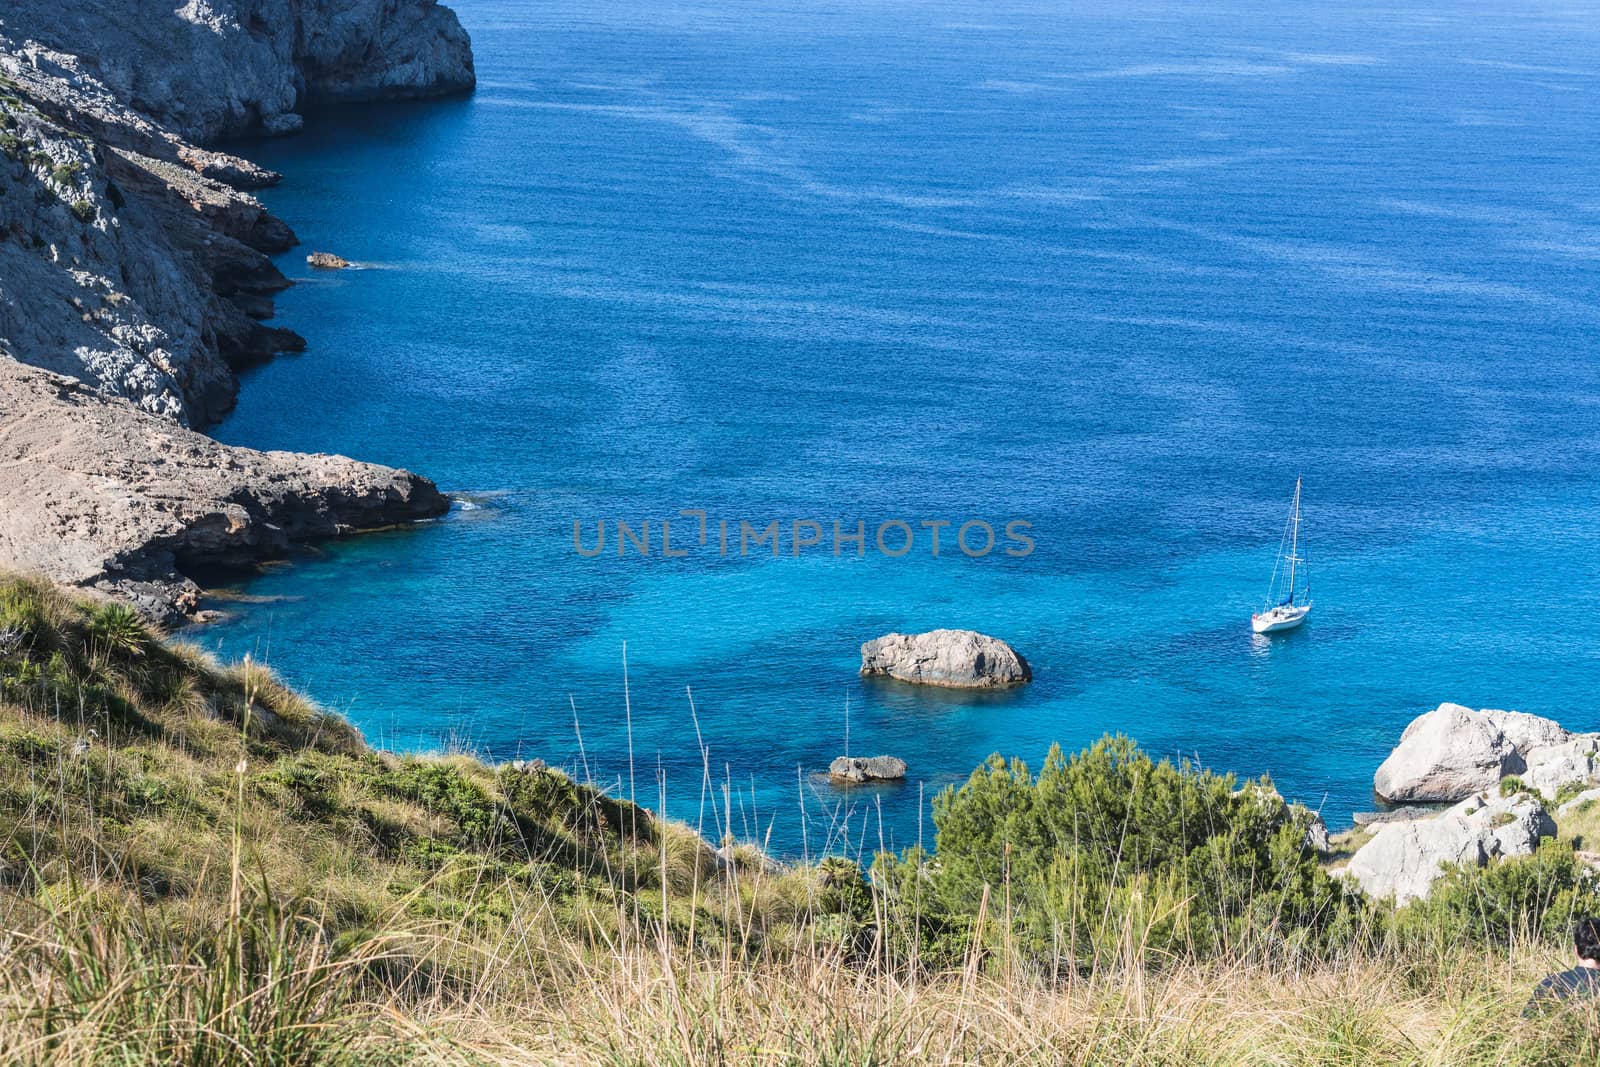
(1404, 859)
(855, 769)
(1452, 752)
(957, 659)
(1552, 767)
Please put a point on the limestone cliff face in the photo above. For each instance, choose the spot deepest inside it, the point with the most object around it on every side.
(134, 262)
(216, 68)
(137, 275)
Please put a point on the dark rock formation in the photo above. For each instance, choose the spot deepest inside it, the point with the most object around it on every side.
(132, 262)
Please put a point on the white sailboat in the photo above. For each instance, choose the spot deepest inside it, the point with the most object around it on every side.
(1287, 603)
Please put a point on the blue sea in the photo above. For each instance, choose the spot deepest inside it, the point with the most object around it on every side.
(1118, 272)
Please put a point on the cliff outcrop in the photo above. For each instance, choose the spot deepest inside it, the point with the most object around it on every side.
(136, 278)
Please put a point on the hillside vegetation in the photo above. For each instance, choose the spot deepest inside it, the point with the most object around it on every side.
(199, 866)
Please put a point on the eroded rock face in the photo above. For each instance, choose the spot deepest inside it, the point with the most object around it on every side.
(129, 272)
(102, 495)
(1551, 767)
(961, 659)
(856, 769)
(207, 69)
(1453, 752)
(130, 257)
(1404, 859)
(132, 261)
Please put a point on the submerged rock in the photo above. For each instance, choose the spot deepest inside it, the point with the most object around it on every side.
(960, 659)
(1404, 859)
(327, 261)
(855, 769)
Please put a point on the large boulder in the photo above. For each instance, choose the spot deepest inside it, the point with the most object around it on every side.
(1452, 752)
(1526, 731)
(1404, 859)
(855, 769)
(960, 659)
(1449, 753)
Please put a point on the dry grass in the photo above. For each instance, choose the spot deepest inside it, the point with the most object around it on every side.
(550, 989)
(225, 875)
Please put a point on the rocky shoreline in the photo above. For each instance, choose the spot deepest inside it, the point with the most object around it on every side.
(1511, 780)
(135, 278)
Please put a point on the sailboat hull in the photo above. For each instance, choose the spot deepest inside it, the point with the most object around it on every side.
(1279, 619)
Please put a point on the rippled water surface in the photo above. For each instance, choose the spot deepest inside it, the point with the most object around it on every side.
(1122, 276)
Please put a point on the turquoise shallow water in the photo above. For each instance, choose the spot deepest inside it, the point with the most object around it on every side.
(1120, 276)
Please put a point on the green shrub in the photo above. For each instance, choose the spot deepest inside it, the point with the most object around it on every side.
(1510, 785)
(117, 631)
(1572, 789)
(85, 211)
(444, 790)
(63, 174)
(1528, 898)
(1110, 841)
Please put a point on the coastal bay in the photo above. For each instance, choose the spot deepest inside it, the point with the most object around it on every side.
(631, 276)
(929, 380)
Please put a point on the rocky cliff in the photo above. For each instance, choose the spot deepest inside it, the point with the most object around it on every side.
(135, 262)
(218, 68)
(104, 496)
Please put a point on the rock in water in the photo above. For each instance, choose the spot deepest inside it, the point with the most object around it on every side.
(1404, 859)
(958, 659)
(327, 261)
(854, 769)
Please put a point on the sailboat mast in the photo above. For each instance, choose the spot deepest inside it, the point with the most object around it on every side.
(1294, 538)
